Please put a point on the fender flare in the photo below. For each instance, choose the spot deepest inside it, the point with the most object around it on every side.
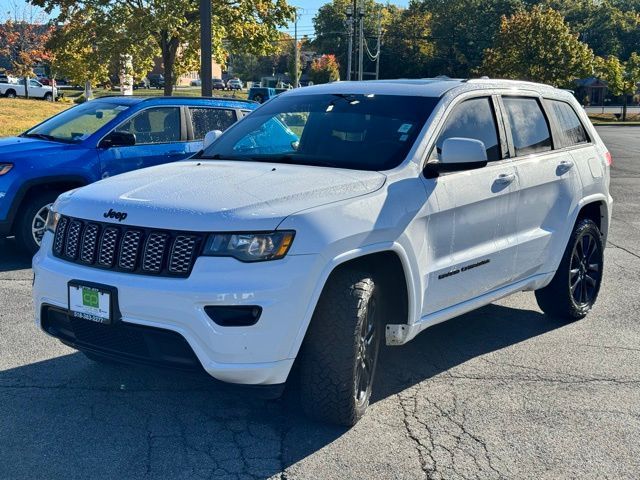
(413, 296)
(20, 195)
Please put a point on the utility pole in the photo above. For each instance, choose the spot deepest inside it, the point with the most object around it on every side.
(205, 48)
(296, 52)
(378, 48)
(361, 43)
(350, 48)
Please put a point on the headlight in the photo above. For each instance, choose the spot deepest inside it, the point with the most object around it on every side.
(249, 247)
(5, 167)
(52, 220)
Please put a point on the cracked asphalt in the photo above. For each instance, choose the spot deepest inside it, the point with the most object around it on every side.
(503, 392)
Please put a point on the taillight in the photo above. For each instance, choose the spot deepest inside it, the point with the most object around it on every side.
(608, 159)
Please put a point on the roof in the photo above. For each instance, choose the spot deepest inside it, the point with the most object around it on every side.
(424, 87)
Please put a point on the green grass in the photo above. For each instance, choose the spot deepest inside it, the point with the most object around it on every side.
(610, 119)
(18, 115)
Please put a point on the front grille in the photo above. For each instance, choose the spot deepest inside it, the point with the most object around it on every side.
(127, 249)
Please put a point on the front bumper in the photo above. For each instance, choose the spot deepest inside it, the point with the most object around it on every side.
(261, 354)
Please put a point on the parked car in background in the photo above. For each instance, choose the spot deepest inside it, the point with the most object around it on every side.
(218, 84)
(195, 83)
(138, 84)
(234, 84)
(261, 94)
(95, 140)
(13, 88)
(156, 80)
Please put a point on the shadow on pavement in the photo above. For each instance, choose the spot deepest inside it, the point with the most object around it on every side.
(68, 417)
(12, 257)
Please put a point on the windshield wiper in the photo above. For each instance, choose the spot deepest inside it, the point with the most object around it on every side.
(44, 136)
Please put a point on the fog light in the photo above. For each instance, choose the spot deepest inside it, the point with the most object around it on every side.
(234, 316)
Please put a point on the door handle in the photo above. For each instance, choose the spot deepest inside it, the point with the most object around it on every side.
(566, 164)
(506, 178)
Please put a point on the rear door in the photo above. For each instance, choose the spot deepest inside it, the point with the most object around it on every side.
(161, 137)
(547, 182)
(471, 235)
(205, 119)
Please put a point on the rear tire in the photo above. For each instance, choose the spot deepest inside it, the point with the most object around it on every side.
(32, 222)
(575, 286)
(10, 94)
(340, 351)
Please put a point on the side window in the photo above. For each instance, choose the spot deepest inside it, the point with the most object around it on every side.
(154, 125)
(474, 119)
(572, 131)
(529, 128)
(205, 120)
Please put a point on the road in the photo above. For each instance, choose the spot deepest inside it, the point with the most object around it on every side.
(503, 392)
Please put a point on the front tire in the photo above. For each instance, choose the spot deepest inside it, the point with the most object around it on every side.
(32, 223)
(48, 97)
(575, 286)
(340, 352)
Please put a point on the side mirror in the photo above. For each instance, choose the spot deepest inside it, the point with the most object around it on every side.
(458, 154)
(210, 137)
(118, 139)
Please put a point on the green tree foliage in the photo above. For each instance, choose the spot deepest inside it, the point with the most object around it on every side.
(622, 77)
(325, 69)
(462, 29)
(408, 48)
(538, 46)
(172, 27)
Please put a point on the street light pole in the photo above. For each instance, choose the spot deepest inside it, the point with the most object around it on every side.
(350, 47)
(296, 52)
(361, 43)
(205, 48)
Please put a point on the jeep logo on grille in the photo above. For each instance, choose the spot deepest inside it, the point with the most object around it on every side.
(120, 216)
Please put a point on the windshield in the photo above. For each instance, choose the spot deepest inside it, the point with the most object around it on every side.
(363, 132)
(77, 123)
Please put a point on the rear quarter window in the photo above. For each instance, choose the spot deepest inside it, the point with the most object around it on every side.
(205, 120)
(571, 132)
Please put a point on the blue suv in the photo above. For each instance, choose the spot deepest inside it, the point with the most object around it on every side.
(95, 140)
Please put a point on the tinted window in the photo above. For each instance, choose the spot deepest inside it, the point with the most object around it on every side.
(472, 119)
(571, 130)
(364, 132)
(154, 125)
(205, 120)
(529, 128)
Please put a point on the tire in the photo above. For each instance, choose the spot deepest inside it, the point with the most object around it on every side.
(31, 218)
(48, 97)
(337, 364)
(10, 94)
(575, 286)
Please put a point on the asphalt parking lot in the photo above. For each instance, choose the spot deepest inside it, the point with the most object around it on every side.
(503, 392)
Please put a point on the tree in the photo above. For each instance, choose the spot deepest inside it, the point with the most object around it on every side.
(408, 48)
(173, 28)
(325, 69)
(622, 77)
(537, 46)
(23, 37)
(461, 30)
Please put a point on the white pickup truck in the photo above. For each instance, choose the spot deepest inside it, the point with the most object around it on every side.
(13, 88)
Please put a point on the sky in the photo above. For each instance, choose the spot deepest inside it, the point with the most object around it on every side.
(307, 10)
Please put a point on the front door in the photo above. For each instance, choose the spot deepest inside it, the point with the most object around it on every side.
(160, 138)
(471, 235)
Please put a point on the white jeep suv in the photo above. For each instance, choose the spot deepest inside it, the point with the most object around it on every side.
(331, 219)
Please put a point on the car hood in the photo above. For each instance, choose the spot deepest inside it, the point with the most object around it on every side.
(14, 148)
(216, 195)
